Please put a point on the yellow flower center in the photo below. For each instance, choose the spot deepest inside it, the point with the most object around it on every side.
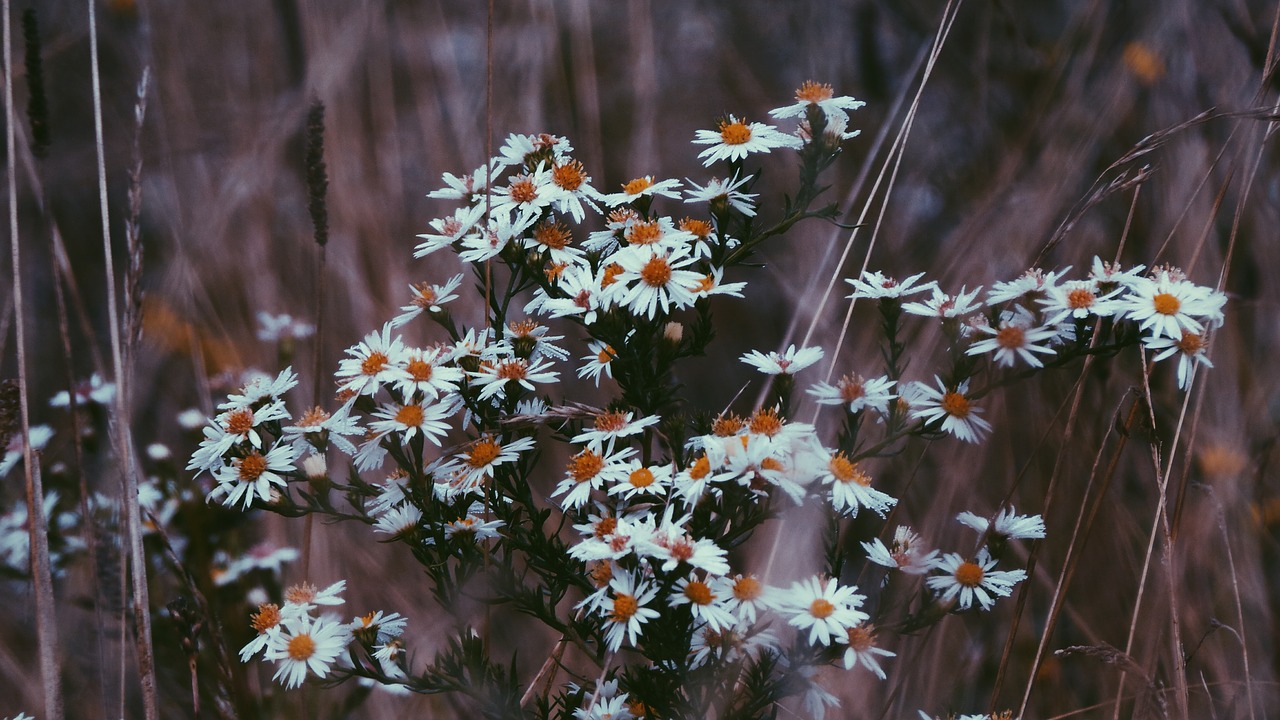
(734, 133)
(969, 574)
(955, 404)
(301, 647)
(1166, 304)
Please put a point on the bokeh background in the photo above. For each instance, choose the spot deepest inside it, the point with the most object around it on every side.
(1015, 148)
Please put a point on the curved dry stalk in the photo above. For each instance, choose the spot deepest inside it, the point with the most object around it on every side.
(41, 575)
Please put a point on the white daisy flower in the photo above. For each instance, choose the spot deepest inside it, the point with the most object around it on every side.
(253, 475)
(788, 363)
(399, 521)
(487, 242)
(712, 283)
(1015, 338)
(448, 230)
(734, 139)
(589, 470)
(860, 393)
(746, 596)
(877, 286)
(530, 150)
(654, 281)
(427, 298)
(611, 425)
(643, 187)
(1078, 300)
(905, 554)
(1190, 350)
(307, 645)
(820, 94)
(952, 407)
(526, 194)
(411, 419)
(470, 470)
(1169, 305)
(1034, 283)
(644, 480)
(530, 339)
(824, 608)
(495, 377)
(970, 579)
(473, 527)
(555, 241)
(377, 360)
(943, 306)
(1007, 525)
(862, 650)
(703, 601)
(580, 295)
(267, 623)
(302, 598)
(469, 187)
(672, 544)
(381, 627)
(316, 428)
(599, 362)
(851, 488)
(572, 179)
(1110, 277)
(427, 376)
(723, 193)
(625, 609)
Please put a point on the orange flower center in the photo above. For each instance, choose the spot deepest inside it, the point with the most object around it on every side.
(483, 453)
(301, 647)
(585, 465)
(605, 526)
(267, 617)
(240, 422)
(426, 295)
(553, 235)
(1191, 343)
(706, 284)
(374, 364)
(698, 593)
(641, 478)
(813, 92)
(644, 233)
(637, 186)
(605, 356)
(969, 574)
(419, 369)
(955, 404)
(313, 418)
(1166, 304)
(252, 467)
(765, 422)
(734, 133)
(656, 272)
(1011, 336)
(699, 228)
(821, 609)
(569, 176)
(726, 425)
(861, 639)
(611, 273)
(851, 389)
(624, 608)
(846, 472)
(300, 594)
(700, 468)
(523, 190)
(1080, 298)
(410, 415)
(611, 422)
(747, 588)
(600, 574)
(512, 370)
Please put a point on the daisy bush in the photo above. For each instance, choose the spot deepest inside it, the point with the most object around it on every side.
(545, 460)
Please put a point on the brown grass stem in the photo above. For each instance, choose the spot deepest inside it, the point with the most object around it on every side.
(123, 427)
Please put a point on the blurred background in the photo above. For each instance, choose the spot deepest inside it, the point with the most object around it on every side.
(1016, 157)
